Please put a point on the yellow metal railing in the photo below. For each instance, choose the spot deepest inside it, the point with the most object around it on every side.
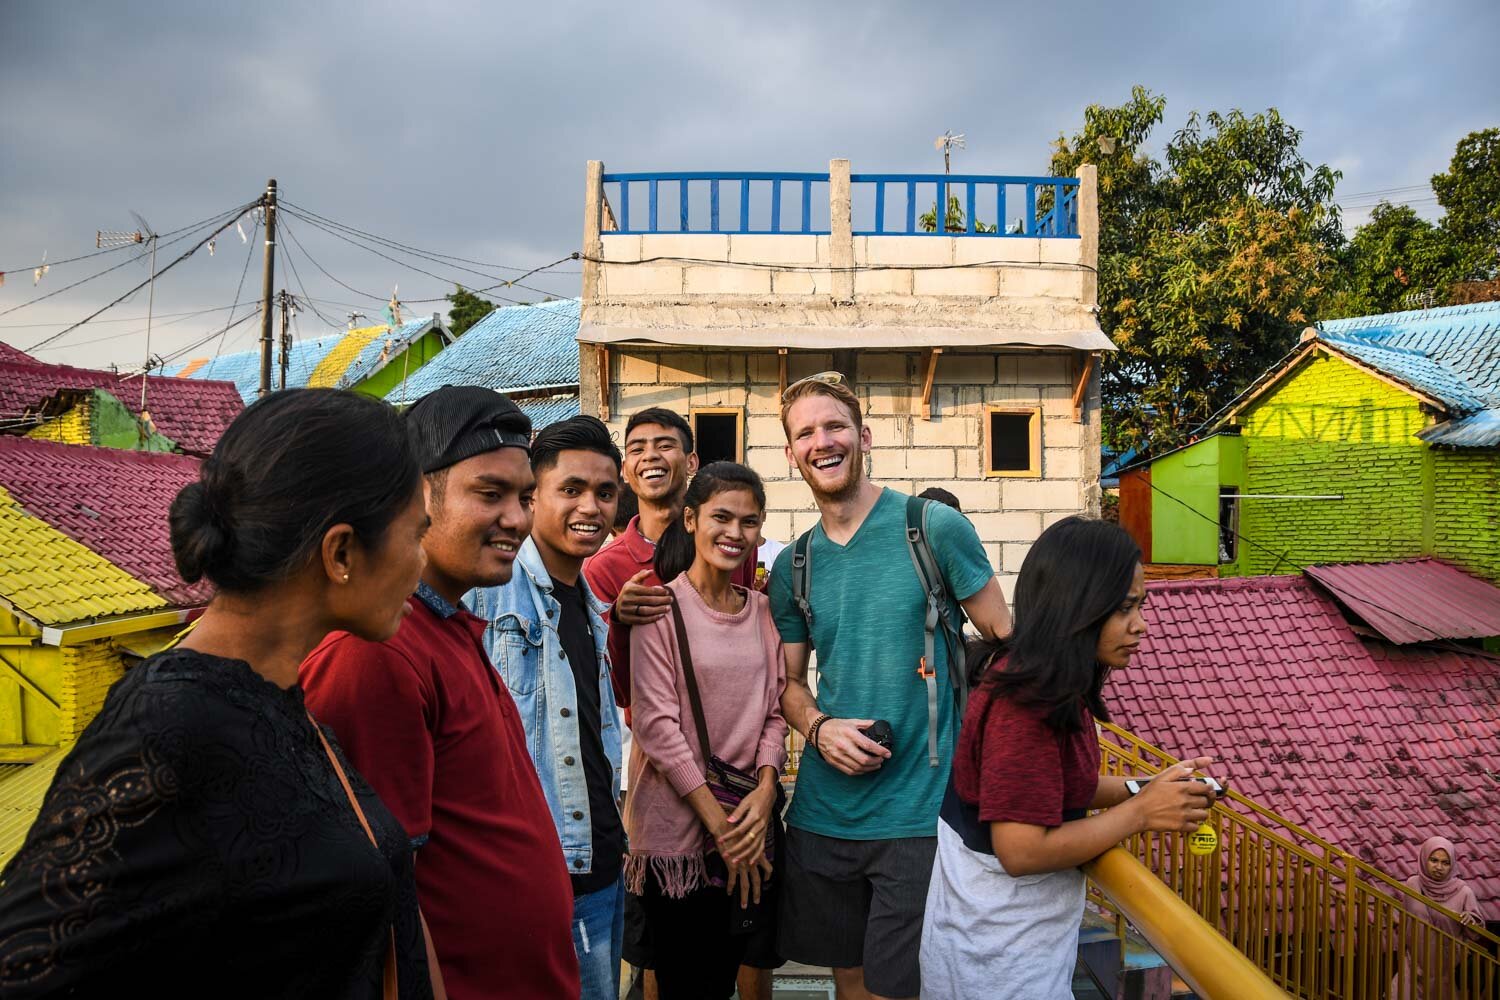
(1195, 951)
(1317, 920)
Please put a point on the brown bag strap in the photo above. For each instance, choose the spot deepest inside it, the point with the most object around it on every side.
(691, 676)
(389, 989)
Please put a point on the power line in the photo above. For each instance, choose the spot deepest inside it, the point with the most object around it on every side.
(430, 256)
(1282, 557)
(98, 253)
(99, 274)
(401, 263)
(190, 251)
(254, 230)
(291, 264)
(402, 246)
(199, 343)
(314, 262)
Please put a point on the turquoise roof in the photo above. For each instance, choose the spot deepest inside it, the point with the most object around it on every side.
(513, 348)
(1450, 354)
(545, 410)
(243, 368)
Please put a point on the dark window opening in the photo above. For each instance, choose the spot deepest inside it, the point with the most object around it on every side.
(1013, 445)
(718, 437)
(1229, 524)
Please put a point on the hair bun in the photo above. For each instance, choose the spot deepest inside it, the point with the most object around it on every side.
(202, 541)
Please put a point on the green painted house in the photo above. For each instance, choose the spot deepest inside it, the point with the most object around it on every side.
(1378, 439)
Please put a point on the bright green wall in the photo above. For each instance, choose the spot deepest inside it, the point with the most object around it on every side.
(1185, 500)
(402, 366)
(1331, 428)
(114, 426)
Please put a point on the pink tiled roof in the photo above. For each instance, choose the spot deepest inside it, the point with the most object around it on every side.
(191, 412)
(14, 355)
(112, 501)
(1370, 746)
(1414, 600)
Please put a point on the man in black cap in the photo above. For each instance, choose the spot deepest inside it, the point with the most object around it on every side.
(426, 719)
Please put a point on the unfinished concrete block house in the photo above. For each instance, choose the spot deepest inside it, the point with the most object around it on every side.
(973, 343)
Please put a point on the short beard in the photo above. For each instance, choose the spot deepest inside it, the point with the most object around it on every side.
(847, 490)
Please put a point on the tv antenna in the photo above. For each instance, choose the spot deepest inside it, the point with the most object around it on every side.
(145, 237)
(947, 142)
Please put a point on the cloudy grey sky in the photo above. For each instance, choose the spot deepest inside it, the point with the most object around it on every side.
(463, 126)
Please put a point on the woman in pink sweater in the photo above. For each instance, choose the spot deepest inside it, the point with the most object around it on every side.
(703, 872)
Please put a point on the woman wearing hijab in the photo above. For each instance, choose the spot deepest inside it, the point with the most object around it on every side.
(1436, 880)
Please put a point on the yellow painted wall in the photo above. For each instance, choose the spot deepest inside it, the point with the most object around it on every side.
(27, 718)
(71, 427)
(88, 672)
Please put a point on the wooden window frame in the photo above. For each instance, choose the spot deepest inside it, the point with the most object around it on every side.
(1034, 467)
(739, 425)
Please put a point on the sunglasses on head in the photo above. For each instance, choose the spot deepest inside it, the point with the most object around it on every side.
(827, 378)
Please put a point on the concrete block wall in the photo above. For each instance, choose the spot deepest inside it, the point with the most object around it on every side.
(910, 454)
(683, 269)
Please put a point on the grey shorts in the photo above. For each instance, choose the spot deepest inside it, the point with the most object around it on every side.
(857, 903)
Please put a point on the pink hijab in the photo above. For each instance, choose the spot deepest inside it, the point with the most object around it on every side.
(1452, 892)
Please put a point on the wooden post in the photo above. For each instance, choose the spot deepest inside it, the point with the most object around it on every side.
(1082, 388)
(931, 373)
(780, 374)
(602, 354)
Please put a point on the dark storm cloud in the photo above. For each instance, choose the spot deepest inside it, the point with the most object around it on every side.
(465, 127)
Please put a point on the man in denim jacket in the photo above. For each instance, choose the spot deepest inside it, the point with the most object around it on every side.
(548, 638)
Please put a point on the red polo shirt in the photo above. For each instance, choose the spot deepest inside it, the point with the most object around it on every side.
(608, 570)
(425, 719)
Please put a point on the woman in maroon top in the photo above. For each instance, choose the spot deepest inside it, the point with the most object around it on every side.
(1006, 896)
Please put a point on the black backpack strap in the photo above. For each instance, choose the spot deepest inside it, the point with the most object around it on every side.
(802, 578)
(939, 618)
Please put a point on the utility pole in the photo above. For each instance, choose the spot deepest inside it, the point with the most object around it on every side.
(267, 289)
(286, 337)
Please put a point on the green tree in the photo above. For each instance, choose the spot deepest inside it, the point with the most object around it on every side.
(1397, 260)
(955, 222)
(465, 309)
(1470, 195)
(1209, 263)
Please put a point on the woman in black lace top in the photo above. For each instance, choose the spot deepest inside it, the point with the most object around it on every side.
(199, 840)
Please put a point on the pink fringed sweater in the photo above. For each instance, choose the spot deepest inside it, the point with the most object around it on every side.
(741, 674)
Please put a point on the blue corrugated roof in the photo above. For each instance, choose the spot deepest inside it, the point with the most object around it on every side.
(243, 368)
(514, 347)
(369, 360)
(545, 410)
(1451, 354)
(1463, 339)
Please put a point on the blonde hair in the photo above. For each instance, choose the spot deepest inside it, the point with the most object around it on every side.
(837, 391)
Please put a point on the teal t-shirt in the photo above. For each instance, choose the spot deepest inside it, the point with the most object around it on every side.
(868, 610)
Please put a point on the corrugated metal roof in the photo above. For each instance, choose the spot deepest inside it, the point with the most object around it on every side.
(339, 360)
(1478, 430)
(21, 795)
(1415, 600)
(514, 347)
(1361, 742)
(545, 410)
(1451, 354)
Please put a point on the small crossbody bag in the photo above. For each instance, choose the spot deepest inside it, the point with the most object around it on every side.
(729, 784)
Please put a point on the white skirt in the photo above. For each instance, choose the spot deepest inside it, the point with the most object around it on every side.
(988, 935)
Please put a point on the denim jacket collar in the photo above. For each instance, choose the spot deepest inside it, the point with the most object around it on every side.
(437, 603)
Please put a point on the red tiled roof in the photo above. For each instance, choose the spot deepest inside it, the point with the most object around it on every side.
(1370, 746)
(1415, 600)
(112, 501)
(14, 355)
(191, 412)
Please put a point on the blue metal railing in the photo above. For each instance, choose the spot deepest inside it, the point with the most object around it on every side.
(703, 203)
(758, 196)
(977, 195)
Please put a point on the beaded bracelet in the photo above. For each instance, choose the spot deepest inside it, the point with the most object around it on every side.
(812, 731)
